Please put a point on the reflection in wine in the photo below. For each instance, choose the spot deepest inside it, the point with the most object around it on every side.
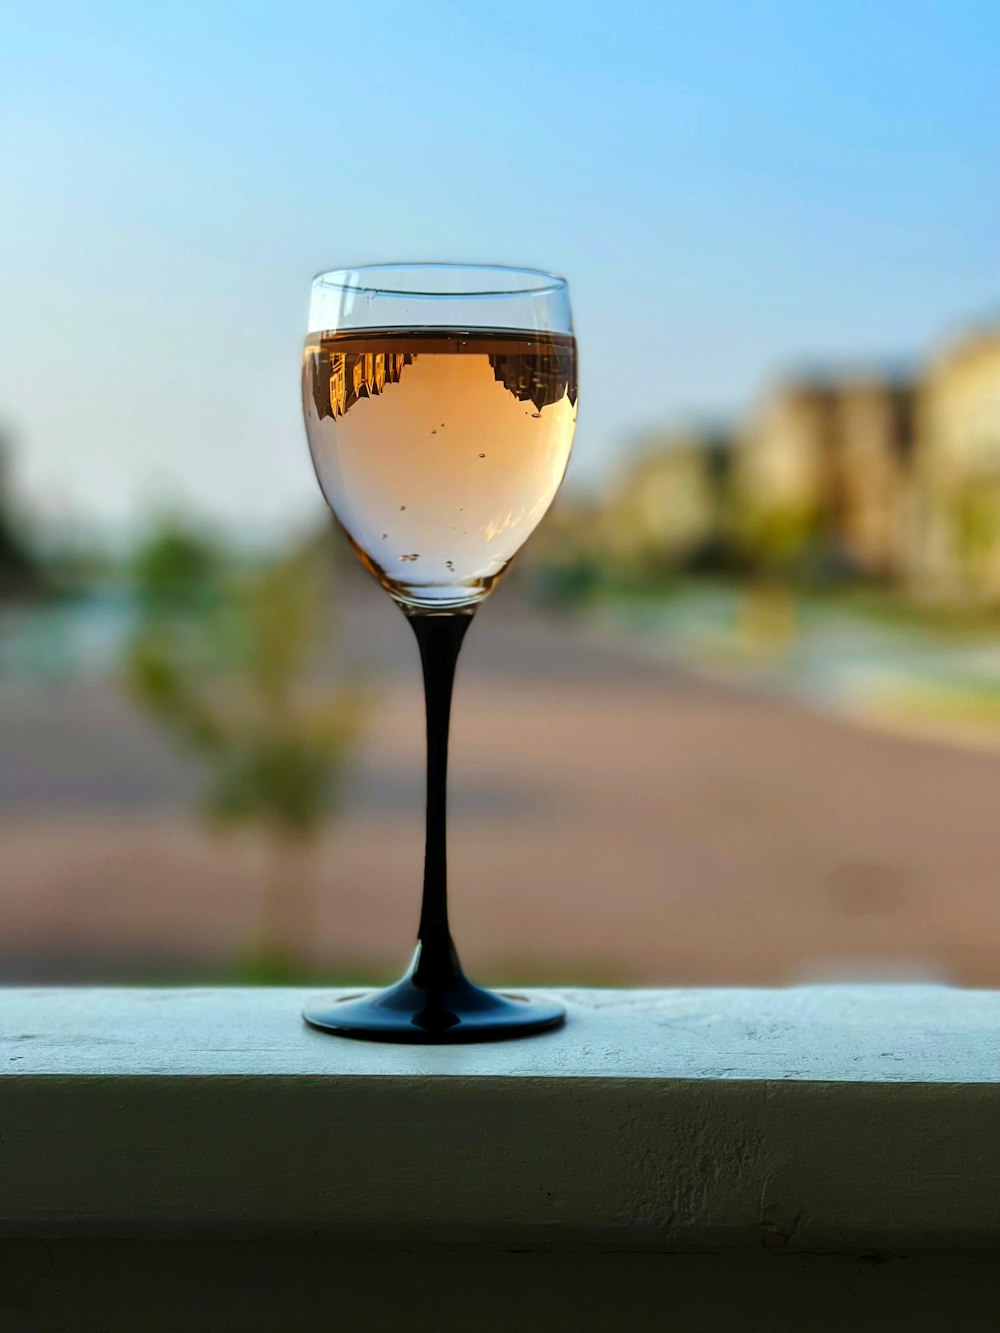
(439, 450)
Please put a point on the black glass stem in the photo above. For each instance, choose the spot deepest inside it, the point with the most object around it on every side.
(439, 637)
(435, 1002)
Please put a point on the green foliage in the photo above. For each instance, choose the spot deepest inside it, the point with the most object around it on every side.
(223, 659)
(176, 570)
(567, 584)
(777, 537)
(975, 521)
(19, 572)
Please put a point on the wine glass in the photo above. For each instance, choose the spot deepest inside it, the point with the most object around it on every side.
(440, 404)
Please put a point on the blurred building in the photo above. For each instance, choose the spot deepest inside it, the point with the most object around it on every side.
(955, 535)
(823, 466)
(667, 508)
(873, 434)
(783, 471)
(888, 476)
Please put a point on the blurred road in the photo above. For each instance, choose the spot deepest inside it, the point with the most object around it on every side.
(612, 820)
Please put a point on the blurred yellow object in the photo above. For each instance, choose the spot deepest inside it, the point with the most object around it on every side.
(766, 627)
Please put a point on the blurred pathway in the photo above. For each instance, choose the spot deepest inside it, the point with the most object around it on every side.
(613, 820)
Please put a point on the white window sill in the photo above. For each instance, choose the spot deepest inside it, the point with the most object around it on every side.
(837, 1120)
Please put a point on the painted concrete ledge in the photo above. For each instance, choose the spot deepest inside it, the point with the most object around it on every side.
(839, 1120)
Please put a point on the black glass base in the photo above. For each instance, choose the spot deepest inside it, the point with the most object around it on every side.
(410, 1013)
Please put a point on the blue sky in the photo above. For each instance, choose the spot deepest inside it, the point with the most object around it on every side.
(731, 188)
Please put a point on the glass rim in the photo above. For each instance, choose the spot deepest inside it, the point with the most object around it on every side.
(345, 279)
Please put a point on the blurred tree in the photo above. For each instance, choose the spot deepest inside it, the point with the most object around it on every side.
(777, 540)
(974, 514)
(177, 570)
(19, 571)
(223, 659)
(779, 545)
(78, 563)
